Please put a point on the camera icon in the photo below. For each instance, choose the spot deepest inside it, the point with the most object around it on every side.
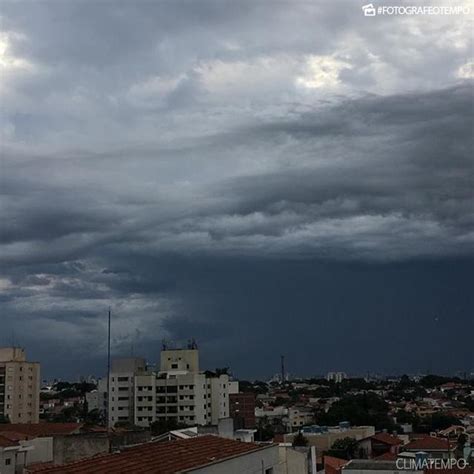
(369, 10)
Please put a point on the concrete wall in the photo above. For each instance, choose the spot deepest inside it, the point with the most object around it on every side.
(7, 455)
(179, 359)
(70, 448)
(248, 463)
(42, 450)
(293, 461)
(128, 438)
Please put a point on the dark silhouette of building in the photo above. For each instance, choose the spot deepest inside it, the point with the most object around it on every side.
(242, 409)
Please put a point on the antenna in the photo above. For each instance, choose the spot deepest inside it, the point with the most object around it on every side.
(282, 369)
(108, 372)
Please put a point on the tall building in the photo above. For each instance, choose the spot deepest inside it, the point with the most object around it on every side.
(19, 386)
(179, 391)
(337, 377)
(242, 409)
(122, 388)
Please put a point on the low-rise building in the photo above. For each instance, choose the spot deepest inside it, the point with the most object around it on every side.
(323, 437)
(377, 445)
(12, 456)
(299, 416)
(440, 448)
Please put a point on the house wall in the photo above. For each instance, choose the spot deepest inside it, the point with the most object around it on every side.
(293, 461)
(5, 456)
(71, 448)
(42, 450)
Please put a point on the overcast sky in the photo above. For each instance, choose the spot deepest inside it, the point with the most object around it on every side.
(266, 177)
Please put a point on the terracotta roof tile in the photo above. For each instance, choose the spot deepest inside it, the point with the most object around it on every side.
(13, 435)
(430, 442)
(387, 439)
(334, 462)
(467, 470)
(160, 458)
(6, 442)
(387, 457)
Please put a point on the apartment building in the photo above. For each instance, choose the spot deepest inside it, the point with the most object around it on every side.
(179, 391)
(242, 410)
(121, 398)
(19, 386)
(337, 377)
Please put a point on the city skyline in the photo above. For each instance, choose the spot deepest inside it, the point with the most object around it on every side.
(266, 180)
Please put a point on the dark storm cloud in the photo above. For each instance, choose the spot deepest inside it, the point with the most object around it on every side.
(227, 170)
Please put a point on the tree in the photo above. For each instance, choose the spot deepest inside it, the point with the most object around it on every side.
(435, 422)
(361, 409)
(93, 417)
(461, 441)
(300, 440)
(265, 431)
(163, 426)
(343, 448)
(4, 419)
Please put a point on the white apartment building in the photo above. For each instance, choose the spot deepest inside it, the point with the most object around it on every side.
(122, 388)
(337, 377)
(178, 391)
(19, 386)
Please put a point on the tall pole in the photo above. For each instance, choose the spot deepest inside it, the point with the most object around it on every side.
(108, 373)
(282, 369)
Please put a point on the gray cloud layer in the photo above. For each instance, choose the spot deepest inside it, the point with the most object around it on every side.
(152, 153)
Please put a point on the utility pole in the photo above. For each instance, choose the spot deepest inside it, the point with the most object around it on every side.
(108, 374)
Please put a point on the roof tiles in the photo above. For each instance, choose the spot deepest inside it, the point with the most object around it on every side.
(160, 458)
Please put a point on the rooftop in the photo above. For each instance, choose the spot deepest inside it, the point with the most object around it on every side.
(427, 443)
(370, 465)
(6, 442)
(160, 458)
(36, 430)
(386, 438)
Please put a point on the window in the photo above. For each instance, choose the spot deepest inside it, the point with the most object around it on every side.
(8, 461)
(269, 470)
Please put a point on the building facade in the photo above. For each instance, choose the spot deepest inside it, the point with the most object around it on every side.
(242, 409)
(121, 398)
(178, 392)
(19, 386)
(337, 377)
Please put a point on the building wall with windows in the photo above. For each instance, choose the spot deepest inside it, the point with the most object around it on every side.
(190, 399)
(180, 392)
(19, 386)
(121, 396)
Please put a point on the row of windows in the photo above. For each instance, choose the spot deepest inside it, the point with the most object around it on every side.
(20, 377)
(12, 369)
(19, 395)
